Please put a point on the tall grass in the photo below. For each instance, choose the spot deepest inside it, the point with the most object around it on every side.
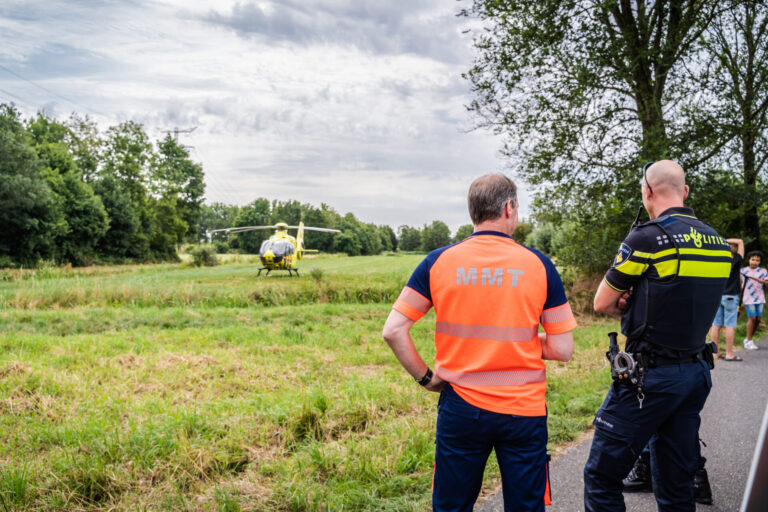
(208, 389)
(358, 280)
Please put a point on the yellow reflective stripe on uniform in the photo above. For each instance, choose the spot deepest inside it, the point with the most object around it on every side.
(715, 269)
(632, 268)
(661, 254)
(641, 254)
(694, 268)
(722, 253)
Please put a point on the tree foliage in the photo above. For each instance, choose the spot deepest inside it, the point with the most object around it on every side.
(69, 195)
(608, 86)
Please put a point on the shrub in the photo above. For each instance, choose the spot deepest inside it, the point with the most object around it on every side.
(316, 273)
(204, 255)
(221, 247)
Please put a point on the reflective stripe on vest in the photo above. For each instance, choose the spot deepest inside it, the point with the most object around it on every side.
(487, 332)
(492, 378)
(415, 300)
(557, 315)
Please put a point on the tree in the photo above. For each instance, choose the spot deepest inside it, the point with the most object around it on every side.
(388, 238)
(29, 211)
(521, 233)
(85, 144)
(121, 241)
(323, 217)
(127, 156)
(169, 228)
(582, 104)
(216, 216)
(286, 211)
(392, 236)
(84, 218)
(255, 214)
(735, 85)
(409, 238)
(541, 238)
(463, 232)
(435, 235)
(347, 242)
(176, 175)
(589, 92)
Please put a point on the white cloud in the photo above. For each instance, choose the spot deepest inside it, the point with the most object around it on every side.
(359, 105)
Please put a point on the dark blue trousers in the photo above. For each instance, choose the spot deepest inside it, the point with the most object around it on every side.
(465, 437)
(669, 419)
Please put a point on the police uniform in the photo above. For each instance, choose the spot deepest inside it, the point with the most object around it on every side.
(490, 294)
(676, 268)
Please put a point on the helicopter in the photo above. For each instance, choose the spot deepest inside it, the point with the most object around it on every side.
(281, 251)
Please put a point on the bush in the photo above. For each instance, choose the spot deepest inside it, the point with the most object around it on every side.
(316, 273)
(204, 255)
(221, 247)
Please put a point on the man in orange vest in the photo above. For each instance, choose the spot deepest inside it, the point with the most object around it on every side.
(490, 294)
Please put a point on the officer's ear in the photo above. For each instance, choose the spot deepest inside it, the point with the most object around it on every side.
(685, 192)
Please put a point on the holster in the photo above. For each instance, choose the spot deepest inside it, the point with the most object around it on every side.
(708, 354)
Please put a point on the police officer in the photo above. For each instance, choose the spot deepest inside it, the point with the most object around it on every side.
(665, 283)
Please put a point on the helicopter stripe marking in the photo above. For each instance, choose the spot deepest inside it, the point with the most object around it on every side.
(492, 378)
(414, 299)
(487, 332)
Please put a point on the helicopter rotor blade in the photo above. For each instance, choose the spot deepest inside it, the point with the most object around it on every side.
(324, 230)
(241, 229)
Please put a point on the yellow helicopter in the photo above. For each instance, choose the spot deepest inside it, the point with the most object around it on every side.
(281, 251)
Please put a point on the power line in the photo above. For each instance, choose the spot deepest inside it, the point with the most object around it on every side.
(18, 98)
(219, 188)
(14, 73)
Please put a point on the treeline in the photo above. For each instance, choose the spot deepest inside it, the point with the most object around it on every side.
(70, 194)
(437, 234)
(356, 238)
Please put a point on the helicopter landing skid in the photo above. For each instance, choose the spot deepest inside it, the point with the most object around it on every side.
(290, 271)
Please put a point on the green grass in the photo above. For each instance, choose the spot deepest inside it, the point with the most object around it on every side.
(174, 388)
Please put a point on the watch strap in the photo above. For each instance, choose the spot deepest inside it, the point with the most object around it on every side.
(426, 379)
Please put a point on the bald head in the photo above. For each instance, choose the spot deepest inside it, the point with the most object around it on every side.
(667, 187)
(667, 178)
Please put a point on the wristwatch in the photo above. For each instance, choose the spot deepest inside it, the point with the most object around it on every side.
(426, 378)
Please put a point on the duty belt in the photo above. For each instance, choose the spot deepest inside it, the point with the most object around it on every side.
(653, 360)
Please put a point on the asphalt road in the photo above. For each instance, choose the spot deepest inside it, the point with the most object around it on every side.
(730, 423)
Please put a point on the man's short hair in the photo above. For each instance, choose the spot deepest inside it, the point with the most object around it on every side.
(487, 196)
(759, 254)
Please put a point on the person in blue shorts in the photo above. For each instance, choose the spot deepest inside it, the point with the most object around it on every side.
(728, 312)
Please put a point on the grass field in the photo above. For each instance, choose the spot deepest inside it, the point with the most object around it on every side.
(168, 387)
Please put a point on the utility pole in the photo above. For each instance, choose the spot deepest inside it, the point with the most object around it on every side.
(176, 131)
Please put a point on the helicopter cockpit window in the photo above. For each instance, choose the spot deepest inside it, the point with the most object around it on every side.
(281, 248)
(265, 246)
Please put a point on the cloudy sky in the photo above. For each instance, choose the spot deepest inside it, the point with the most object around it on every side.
(355, 103)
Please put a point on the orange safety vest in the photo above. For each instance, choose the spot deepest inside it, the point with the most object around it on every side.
(490, 294)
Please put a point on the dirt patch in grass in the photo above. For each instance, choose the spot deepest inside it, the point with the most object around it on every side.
(171, 360)
(15, 368)
(129, 360)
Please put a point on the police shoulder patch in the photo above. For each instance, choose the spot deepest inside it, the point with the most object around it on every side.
(623, 255)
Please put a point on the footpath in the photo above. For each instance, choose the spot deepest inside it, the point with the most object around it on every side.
(730, 424)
